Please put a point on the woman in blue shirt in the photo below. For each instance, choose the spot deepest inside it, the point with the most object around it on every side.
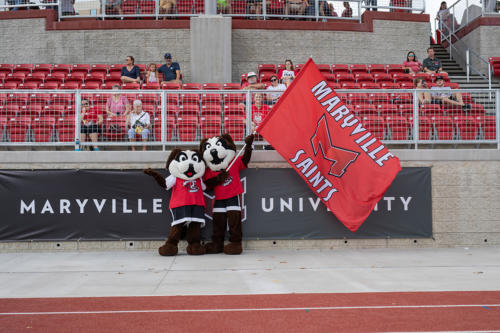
(130, 72)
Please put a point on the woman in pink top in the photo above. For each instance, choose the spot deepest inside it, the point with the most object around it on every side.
(411, 64)
(117, 104)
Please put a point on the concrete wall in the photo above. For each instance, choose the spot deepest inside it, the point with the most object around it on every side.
(27, 41)
(465, 191)
(389, 43)
(484, 40)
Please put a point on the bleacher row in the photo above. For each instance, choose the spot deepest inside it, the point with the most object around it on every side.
(358, 76)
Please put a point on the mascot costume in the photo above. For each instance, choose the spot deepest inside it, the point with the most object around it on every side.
(223, 176)
(187, 204)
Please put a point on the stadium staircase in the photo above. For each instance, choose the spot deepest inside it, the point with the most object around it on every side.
(457, 74)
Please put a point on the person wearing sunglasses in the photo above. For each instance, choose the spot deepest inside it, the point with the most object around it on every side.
(276, 89)
(412, 65)
(91, 123)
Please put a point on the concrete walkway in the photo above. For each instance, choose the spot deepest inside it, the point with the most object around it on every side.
(144, 273)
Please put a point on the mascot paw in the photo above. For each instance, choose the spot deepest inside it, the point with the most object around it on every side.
(222, 176)
(249, 139)
(212, 248)
(195, 249)
(233, 248)
(168, 250)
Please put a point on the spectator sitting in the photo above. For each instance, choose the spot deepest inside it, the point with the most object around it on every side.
(432, 65)
(277, 88)
(171, 71)
(252, 83)
(348, 10)
(167, 7)
(254, 7)
(67, 7)
(412, 65)
(130, 72)
(152, 75)
(259, 110)
(114, 6)
(117, 104)
(298, 7)
(445, 96)
(423, 97)
(288, 71)
(372, 4)
(91, 123)
(139, 123)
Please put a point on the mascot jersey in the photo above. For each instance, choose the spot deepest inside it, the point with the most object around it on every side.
(185, 192)
(232, 186)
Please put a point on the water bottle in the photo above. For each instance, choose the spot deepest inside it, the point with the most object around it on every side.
(77, 144)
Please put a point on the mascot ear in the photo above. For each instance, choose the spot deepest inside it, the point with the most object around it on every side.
(202, 145)
(229, 140)
(172, 156)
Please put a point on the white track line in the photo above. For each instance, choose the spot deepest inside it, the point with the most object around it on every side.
(254, 309)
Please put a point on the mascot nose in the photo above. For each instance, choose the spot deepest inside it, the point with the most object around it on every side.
(213, 152)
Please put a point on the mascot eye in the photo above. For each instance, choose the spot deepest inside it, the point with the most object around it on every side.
(207, 145)
(182, 158)
(219, 143)
(195, 158)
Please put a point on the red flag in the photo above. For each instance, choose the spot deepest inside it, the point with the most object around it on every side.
(340, 160)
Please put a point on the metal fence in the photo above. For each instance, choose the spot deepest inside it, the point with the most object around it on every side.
(158, 119)
(8, 5)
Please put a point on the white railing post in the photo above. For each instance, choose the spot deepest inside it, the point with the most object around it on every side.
(467, 63)
(467, 12)
(497, 120)
(59, 11)
(163, 118)
(248, 112)
(157, 8)
(316, 9)
(78, 112)
(103, 9)
(416, 136)
(264, 8)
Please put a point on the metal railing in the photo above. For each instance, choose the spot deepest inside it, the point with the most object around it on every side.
(8, 5)
(160, 119)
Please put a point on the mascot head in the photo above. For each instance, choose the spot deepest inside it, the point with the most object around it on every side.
(218, 152)
(186, 164)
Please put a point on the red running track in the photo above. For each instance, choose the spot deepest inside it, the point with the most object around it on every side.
(362, 312)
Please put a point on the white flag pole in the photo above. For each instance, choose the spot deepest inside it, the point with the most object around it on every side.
(239, 153)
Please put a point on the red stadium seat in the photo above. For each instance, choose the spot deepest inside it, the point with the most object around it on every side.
(99, 68)
(170, 122)
(38, 78)
(395, 68)
(43, 69)
(345, 77)
(424, 127)
(382, 77)
(115, 128)
(231, 86)
(378, 98)
(324, 68)
(8, 85)
(148, 98)
(298, 67)
(377, 68)
(17, 128)
(235, 125)
(468, 127)
(368, 85)
(6, 68)
(211, 110)
(91, 85)
(387, 109)
(19, 99)
(28, 85)
(340, 68)
(389, 85)
(70, 85)
(433, 77)
(55, 110)
(330, 78)
(488, 127)
(15, 77)
(32, 110)
(190, 98)
(267, 68)
(115, 68)
(65, 129)
(189, 110)
(187, 127)
(113, 76)
(363, 77)
(211, 125)
(406, 110)
(131, 86)
(61, 99)
(191, 86)
(430, 110)
(55, 77)
(9, 110)
(365, 110)
(234, 109)
(97, 77)
(375, 125)
(170, 86)
(407, 85)
(357, 98)
(42, 128)
(49, 85)
(151, 86)
(149, 108)
(358, 69)
(443, 125)
(350, 85)
(266, 77)
(80, 68)
(398, 127)
(23, 68)
(402, 77)
(61, 69)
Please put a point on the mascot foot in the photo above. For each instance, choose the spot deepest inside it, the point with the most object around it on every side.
(195, 249)
(212, 248)
(233, 248)
(168, 250)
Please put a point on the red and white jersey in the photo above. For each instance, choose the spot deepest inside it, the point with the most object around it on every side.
(185, 192)
(232, 186)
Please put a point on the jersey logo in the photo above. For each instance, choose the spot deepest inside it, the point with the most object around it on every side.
(191, 186)
(228, 181)
(339, 158)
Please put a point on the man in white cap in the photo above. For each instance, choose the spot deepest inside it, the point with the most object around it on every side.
(252, 83)
(139, 123)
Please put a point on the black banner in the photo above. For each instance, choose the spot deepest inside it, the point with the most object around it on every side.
(114, 205)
